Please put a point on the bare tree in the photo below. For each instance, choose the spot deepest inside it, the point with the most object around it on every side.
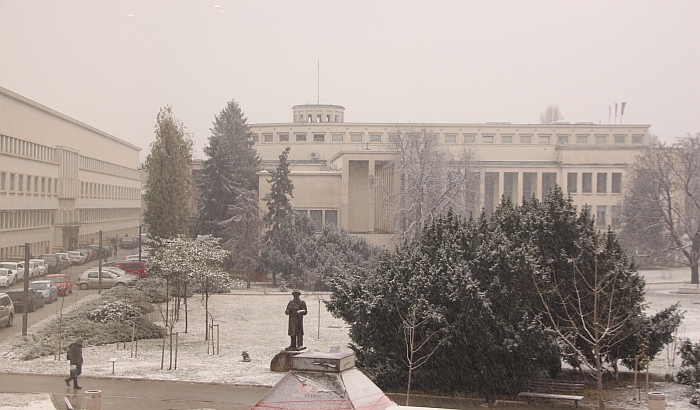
(585, 311)
(664, 197)
(426, 180)
(551, 114)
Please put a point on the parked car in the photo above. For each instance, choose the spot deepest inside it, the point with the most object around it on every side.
(42, 266)
(63, 283)
(65, 259)
(129, 242)
(87, 253)
(34, 299)
(90, 279)
(8, 277)
(137, 268)
(7, 310)
(76, 257)
(45, 288)
(145, 258)
(53, 262)
(16, 267)
(34, 269)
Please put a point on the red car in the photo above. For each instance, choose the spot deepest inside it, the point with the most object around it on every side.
(63, 283)
(137, 268)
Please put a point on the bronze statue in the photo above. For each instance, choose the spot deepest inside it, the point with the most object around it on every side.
(296, 309)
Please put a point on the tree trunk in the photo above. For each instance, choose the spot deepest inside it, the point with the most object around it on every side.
(694, 274)
(185, 307)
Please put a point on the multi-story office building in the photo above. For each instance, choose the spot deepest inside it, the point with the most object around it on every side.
(61, 181)
(335, 164)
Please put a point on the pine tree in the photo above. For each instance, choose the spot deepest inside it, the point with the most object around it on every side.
(168, 188)
(230, 168)
(281, 190)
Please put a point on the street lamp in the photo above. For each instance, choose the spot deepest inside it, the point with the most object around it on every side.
(140, 226)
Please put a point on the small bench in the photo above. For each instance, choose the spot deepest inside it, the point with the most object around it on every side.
(553, 389)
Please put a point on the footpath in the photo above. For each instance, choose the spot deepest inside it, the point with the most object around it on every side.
(120, 394)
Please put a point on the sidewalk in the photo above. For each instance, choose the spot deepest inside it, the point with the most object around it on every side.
(119, 394)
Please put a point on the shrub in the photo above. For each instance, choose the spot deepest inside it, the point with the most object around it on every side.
(689, 372)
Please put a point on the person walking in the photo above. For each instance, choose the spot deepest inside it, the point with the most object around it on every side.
(75, 356)
(487, 385)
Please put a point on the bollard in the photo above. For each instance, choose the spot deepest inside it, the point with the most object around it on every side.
(657, 401)
(93, 399)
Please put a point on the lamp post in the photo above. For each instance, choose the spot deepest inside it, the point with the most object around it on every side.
(140, 226)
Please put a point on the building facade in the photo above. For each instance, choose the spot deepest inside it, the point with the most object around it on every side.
(335, 165)
(61, 181)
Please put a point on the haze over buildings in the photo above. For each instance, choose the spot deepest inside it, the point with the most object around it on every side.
(114, 64)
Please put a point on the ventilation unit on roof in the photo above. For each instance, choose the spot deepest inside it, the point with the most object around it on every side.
(314, 155)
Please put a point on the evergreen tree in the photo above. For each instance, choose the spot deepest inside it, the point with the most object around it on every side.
(230, 168)
(281, 190)
(168, 188)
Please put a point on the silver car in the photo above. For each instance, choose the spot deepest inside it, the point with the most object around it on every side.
(91, 279)
(8, 277)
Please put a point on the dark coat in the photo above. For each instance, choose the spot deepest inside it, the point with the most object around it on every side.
(296, 309)
(75, 354)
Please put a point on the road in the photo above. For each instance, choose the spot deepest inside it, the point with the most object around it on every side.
(63, 302)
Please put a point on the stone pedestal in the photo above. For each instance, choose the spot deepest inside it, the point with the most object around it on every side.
(282, 362)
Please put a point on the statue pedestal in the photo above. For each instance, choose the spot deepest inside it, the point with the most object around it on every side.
(282, 362)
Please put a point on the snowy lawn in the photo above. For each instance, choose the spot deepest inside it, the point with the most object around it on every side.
(253, 321)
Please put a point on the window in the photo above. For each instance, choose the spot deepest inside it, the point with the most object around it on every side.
(256, 138)
(317, 218)
(620, 139)
(587, 182)
(600, 215)
(563, 139)
(637, 139)
(12, 182)
(469, 138)
(36, 184)
(3, 175)
(375, 137)
(337, 137)
(283, 137)
(582, 139)
(319, 137)
(332, 217)
(615, 214)
(587, 209)
(572, 182)
(602, 183)
(507, 139)
(267, 137)
(29, 183)
(328, 118)
(318, 117)
(355, 137)
(616, 183)
(526, 139)
(450, 137)
(300, 137)
(544, 139)
(487, 139)
(311, 118)
(601, 139)
(43, 181)
(20, 183)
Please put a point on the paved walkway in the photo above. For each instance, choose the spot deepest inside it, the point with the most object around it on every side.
(120, 394)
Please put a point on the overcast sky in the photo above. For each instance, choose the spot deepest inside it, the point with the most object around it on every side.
(113, 64)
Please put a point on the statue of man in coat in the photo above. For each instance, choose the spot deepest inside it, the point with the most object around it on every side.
(296, 309)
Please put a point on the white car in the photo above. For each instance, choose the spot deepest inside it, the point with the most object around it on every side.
(8, 277)
(77, 257)
(16, 267)
(42, 266)
(90, 279)
(65, 258)
(34, 269)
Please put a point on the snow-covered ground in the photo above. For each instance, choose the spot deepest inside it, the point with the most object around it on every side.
(254, 321)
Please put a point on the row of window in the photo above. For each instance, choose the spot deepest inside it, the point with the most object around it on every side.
(16, 253)
(28, 149)
(20, 183)
(25, 219)
(319, 118)
(320, 217)
(93, 190)
(108, 214)
(601, 213)
(97, 165)
(586, 187)
(359, 137)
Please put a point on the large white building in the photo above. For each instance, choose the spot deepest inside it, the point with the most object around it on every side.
(334, 164)
(61, 181)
